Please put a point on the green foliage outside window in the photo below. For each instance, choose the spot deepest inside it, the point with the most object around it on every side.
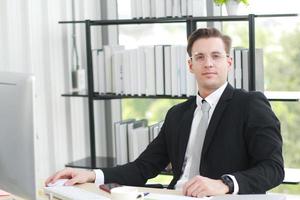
(152, 109)
(221, 2)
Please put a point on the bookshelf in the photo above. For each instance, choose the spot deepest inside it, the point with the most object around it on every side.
(93, 161)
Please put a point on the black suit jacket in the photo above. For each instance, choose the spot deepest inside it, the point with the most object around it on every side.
(243, 139)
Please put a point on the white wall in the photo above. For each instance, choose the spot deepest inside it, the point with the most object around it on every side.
(32, 41)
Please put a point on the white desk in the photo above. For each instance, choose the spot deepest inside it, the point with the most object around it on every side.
(93, 188)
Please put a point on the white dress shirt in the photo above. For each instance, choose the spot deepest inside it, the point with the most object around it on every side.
(212, 99)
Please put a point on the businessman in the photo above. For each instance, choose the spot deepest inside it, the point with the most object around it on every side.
(224, 140)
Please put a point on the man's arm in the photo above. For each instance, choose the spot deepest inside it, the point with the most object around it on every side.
(264, 144)
(150, 163)
(147, 165)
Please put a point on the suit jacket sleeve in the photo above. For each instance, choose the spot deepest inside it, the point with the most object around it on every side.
(264, 144)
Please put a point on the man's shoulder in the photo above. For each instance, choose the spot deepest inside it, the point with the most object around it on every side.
(190, 102)
(248, 98)
(241, 93)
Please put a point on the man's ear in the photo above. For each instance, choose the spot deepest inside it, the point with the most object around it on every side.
(230, 62)
(190, 64)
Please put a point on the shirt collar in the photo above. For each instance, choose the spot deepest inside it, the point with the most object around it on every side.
(213, 98)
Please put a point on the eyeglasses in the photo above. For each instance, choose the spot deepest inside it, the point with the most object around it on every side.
(214, 57)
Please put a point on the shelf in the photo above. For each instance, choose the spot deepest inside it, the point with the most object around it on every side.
(113, 96)
(101, 162)
(75, 94)
(86, 163)
(282, 96)
(174, 19)
(271, 96)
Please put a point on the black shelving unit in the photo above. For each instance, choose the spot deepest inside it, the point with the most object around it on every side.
(93, 162)
(118, 96)
(88, 163)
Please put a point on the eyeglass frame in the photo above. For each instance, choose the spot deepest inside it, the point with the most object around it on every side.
(206, 56)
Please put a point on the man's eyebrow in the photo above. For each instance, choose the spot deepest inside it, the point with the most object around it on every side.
(216, 52)
(213, 52)
(198, 53)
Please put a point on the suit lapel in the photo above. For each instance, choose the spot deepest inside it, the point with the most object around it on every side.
(215, 119)
(184, 133)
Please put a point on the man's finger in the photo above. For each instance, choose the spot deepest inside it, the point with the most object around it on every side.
(72, 181)
(48, 180)
(194, 189)
(201, 194)
(61, 174)
(188, 184)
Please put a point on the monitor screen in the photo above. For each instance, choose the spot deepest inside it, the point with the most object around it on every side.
(17, 160)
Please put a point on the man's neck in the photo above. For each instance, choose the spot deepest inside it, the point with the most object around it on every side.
(204, 93)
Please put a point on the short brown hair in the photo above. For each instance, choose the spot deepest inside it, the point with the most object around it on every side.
(208, 33)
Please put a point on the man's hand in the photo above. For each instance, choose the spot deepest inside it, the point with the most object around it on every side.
(200, 186)
(74, 176)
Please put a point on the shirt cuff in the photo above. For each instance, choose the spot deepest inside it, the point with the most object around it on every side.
(99, 180)
(235, 184)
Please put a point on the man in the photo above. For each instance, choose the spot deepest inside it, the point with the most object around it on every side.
(224, 140)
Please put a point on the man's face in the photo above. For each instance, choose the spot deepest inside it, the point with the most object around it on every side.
(209, 63)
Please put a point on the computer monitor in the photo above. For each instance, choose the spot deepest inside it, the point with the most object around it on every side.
(17, 160)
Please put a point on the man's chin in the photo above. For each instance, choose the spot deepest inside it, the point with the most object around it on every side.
(211, 85)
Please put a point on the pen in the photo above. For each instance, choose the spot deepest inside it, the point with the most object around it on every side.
(145, 194)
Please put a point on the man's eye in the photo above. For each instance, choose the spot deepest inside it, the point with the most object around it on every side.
(216, 56)
(199, 57)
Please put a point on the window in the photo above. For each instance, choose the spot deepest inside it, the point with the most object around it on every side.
(277, 37)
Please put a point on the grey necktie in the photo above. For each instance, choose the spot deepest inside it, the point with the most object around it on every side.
(199, 139)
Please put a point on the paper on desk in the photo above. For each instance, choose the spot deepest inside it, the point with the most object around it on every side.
(154, 196)
(3, 193)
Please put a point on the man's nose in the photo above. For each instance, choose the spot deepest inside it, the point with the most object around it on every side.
(208, 61)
